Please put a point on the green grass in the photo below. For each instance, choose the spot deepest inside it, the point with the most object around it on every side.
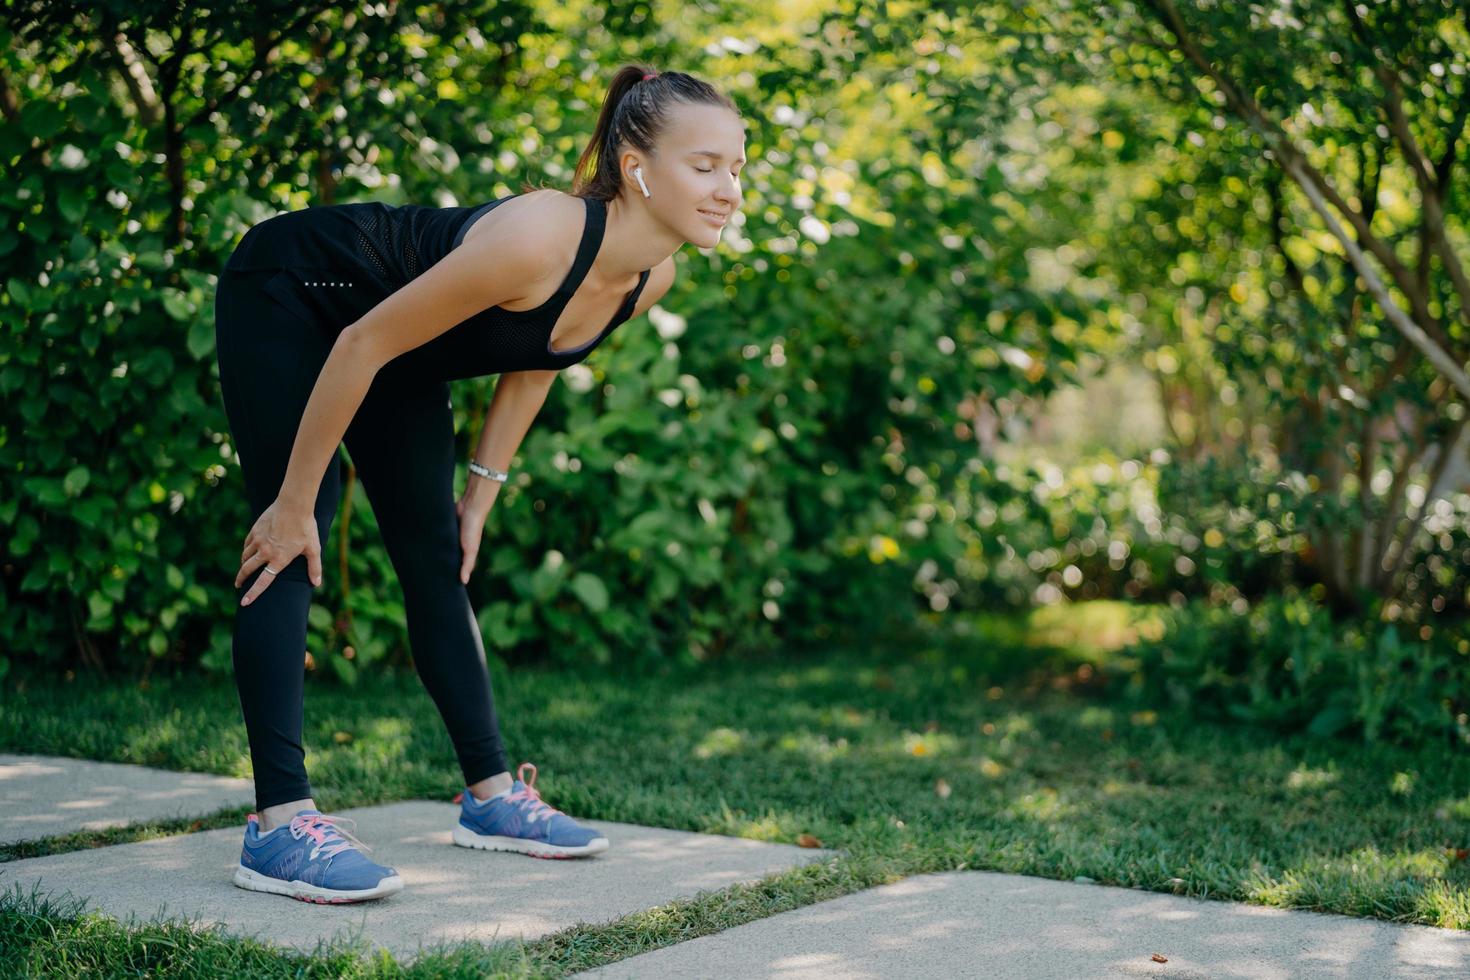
(923, 753)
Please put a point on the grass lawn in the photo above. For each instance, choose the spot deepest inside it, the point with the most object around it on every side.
(931, 752)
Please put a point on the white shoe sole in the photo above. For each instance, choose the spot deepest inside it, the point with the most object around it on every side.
(465, 837)
(255, 881)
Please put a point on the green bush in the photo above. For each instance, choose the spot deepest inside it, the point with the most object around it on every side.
(1035, 532)
(1286, 664)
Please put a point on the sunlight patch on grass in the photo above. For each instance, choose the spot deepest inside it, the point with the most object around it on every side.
(1092, 628)
(1095, 716)
(929, 743)
(770, 826)
(1303, 778)
(720, 741)
(389, 728)
(1322, 881)
(1459, 809)
(570, 709)
(846, 715)
(813, 745)
(1443, 903)
(1044, 804)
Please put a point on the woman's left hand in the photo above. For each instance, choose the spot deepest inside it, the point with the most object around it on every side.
(471, 515)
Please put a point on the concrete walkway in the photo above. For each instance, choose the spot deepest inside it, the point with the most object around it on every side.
(46, 796)
(450, 893)
(972, 923)
(984, 924)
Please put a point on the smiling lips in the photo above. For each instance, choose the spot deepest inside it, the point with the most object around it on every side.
(717, 218)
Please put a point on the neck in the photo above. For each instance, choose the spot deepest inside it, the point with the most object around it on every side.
(633, 241)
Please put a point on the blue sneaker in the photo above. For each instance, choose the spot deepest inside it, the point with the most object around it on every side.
(312, 859)
(522, 821)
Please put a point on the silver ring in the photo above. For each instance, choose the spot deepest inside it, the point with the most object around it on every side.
(271, 570)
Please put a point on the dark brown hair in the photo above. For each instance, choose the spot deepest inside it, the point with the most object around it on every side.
(635, 112)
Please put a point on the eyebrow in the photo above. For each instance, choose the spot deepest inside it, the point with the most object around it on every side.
(711, 153)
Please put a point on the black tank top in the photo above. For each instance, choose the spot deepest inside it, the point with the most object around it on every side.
(336, 262)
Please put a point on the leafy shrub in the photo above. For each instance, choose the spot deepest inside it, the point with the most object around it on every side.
(1286, 664)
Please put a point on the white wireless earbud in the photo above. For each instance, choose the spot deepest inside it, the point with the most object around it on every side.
(638, 173)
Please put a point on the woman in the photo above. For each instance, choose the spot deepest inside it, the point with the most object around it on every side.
(345, 324)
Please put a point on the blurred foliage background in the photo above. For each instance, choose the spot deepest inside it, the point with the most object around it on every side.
(1159, 302)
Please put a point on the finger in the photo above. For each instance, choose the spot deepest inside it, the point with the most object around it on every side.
(314, 565)
(248, 566)
(262, 582)
(467, 566)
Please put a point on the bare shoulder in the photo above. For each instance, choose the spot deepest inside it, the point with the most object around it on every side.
(513, 264)
(543, 228)
(660, 279)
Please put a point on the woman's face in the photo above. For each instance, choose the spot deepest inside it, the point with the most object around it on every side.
(694, 182)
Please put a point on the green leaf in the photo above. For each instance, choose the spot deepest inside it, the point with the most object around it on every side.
(646, 526)
(151, 260)
(20, 291)
(345, 669)
(319, 616)
(36, 579)
(200, 341)
(42, 119)
(178, 305)
(90, 512)
(99, 607)
(72, 202)
(76, 480)
(46, 490)
(665, 584)
(591, 590)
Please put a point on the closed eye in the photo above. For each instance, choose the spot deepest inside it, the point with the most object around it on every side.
(710, 171)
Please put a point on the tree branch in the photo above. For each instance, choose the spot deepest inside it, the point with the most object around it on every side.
(1456, 129)
(1454, 449)
(8, 103)
(257, 66)
(1280, 144)
(1393, 515)
(1425, 175)
(1436, 354)
(134, 76)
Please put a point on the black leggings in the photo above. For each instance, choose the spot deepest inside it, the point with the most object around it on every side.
(402, 442)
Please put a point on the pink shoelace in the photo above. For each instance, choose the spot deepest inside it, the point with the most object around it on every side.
(538, 808)
(330, 837)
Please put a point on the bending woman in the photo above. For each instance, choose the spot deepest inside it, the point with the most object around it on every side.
(346, 323)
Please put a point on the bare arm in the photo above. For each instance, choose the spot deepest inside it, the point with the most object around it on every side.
(518, 396)
(340, 388)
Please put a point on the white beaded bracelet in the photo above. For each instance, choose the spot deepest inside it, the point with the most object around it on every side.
(489, 474)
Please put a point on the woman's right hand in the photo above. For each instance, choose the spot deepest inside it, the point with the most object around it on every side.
(281, 533)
